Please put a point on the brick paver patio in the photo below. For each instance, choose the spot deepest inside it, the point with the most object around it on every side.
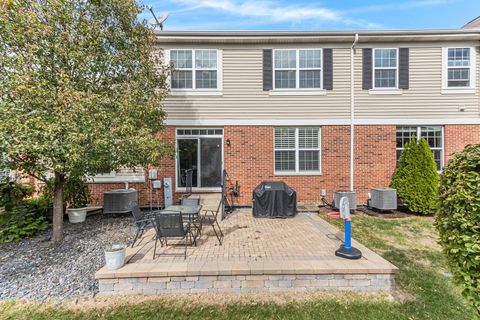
(255, 248)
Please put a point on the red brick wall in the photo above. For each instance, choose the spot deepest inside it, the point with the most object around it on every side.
(249, 159)
(375, 158)
(458, 136)
(166, 169)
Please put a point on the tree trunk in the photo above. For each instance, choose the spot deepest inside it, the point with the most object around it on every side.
(57, 234)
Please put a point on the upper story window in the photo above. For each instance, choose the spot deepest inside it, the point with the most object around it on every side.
(298, 69)
(458, 69)
(458, 66)
(195, 69)
(385, 68)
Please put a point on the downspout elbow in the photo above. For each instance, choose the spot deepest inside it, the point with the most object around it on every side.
(355, 41)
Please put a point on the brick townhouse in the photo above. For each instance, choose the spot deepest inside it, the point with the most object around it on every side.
(320, 110)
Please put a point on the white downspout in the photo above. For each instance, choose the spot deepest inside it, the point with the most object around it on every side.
(352, 112)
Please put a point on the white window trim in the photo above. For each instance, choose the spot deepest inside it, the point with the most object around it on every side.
(297, 150)
(193, 90)
(297, 90)
(392, 89)
(112, 177)
(385, 91)
(418, 136)
(473, 72)
(194, 136)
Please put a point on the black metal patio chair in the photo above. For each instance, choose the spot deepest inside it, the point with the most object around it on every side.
(210, 218)
(170, 224)
(197, 224)
(142, 220)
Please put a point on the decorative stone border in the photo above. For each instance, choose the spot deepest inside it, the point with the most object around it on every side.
(247, 283)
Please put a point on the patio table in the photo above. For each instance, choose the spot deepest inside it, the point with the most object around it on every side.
(190, 213)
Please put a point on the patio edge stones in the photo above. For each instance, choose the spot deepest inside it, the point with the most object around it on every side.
(267, 267)
(247, 283)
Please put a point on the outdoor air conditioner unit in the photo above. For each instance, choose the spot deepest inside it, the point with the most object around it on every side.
(384, 199)
(118, 201)
(351, 196)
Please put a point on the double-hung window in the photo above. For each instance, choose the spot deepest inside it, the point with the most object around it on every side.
(297, 69)
(433, 135)
(385, 68)
(195, 69)
(297, 150)
(458, 67)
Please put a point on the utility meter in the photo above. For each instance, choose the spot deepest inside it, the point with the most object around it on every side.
(157, 184)
(152, 174)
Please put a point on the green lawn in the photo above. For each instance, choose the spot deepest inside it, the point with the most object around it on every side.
(409, 243)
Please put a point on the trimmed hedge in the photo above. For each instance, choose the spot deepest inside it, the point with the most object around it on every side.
(416, 177)
(458, 220)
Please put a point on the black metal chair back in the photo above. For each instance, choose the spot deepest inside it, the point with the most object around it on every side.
(190, 202)
(137, 213)
(170, 224)
(140, 220)
(215, 213)
(189, 180)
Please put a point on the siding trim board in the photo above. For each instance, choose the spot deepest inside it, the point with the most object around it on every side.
(320, 122)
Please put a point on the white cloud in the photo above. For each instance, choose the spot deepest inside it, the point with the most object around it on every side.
(398, 6)
(274, 12)
(267, 12)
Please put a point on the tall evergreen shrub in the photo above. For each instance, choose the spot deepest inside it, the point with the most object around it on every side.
(416, 178)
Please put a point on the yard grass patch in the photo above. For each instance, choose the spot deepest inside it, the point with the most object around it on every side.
(408, 243)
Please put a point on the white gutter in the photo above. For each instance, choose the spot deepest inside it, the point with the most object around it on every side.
(352, 112)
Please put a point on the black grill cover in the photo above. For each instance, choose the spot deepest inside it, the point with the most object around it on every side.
(274, 199)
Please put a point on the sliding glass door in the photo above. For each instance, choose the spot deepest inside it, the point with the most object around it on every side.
(200, 150)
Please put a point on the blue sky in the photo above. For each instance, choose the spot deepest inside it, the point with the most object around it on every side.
(314, 15)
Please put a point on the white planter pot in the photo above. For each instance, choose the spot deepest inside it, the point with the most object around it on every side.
(77, 215)
(115, 259)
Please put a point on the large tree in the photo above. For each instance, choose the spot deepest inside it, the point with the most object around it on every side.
(81, 88)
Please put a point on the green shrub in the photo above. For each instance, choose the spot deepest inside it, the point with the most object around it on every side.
(22, 221)
(416, 177)
(458, 220)
(13, 193)
(76, 192)
(20, 217)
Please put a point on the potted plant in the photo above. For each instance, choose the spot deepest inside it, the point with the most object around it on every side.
(76, 197)
(115, 248)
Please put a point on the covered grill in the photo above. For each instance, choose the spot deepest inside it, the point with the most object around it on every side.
(274, 199)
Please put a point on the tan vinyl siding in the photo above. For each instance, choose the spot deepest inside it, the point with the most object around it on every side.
(243, 97)
(424, 98)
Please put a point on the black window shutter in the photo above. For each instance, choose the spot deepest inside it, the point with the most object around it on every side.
(403, 68)
(267, 70)
(328, 69)
(367, 68)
